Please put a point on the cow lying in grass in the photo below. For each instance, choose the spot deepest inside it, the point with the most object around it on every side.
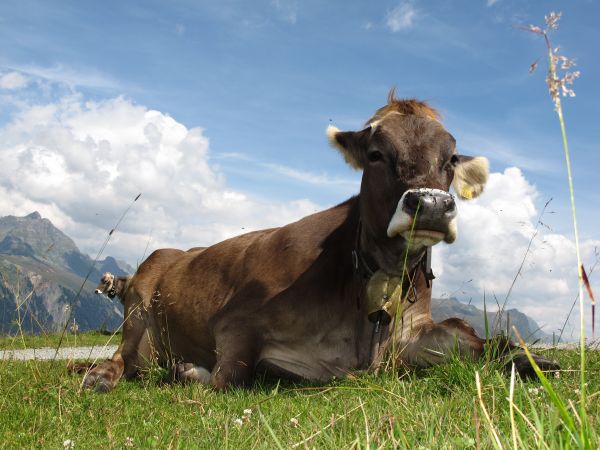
(332, 293)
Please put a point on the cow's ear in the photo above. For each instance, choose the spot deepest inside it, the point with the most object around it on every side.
(352, 144)
(470, 176)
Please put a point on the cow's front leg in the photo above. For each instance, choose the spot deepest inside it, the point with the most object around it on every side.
(105, 376)
(236, 357)
(433, 344)
(124, 362)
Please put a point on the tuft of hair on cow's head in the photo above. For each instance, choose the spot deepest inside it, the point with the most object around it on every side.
(409, 161)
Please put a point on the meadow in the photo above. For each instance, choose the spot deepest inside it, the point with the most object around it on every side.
(42, 406)
(456, 405)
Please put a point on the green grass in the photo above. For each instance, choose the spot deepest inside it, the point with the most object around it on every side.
(42, 406)
(89, 338)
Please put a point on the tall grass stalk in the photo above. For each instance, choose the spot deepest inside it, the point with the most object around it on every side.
(556, 86)
(89, 272)
(563, 130)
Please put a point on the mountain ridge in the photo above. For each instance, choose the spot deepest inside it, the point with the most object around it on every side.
(42, 275)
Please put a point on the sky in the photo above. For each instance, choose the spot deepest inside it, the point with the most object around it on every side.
(216, 113)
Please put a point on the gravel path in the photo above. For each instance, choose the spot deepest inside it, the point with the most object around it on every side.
(102, 352)
(99, 352)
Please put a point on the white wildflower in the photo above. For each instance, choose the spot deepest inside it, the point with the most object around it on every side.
(294, 422)
(552, 20)
(128, 442)
(248, 412)
(68, 444)
(533, 391)
(238, 422)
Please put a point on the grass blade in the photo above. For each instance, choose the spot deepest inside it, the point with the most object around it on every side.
(556, 400)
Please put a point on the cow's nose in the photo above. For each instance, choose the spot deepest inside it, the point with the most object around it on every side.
(98, 291)
(429, 202)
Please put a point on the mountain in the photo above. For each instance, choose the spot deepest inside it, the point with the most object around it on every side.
(41, 272)
(450, 307)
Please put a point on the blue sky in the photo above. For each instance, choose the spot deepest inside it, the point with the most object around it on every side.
(255, 84)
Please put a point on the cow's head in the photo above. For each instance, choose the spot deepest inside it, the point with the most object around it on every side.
(106, 285)
(409, 162)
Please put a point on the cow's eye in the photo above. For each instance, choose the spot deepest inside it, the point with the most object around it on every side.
(454, 160)
(374, 156)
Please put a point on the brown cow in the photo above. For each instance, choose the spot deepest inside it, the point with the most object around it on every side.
(332, 292)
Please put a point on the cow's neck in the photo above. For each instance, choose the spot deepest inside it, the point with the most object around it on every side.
(381, 253)
(387, 270)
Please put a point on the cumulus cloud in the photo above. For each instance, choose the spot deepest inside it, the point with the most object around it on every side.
(82, 163)
(495, 231)
(12, 80)
(401, 17)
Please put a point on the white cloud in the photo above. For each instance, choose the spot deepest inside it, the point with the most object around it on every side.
(492, 2)
(12, 80)
(288, 10)
(401, 17)
(71, 76)
(322, 179)
(82, 163)
(494, 233)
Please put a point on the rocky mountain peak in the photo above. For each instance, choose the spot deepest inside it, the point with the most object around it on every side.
(34, 215)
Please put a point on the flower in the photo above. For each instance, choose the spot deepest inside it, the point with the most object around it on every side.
(552, 20)
(294, 422)
(128, 442)
(248, 412)
(533, 391)
(68, 444)
(238, 422)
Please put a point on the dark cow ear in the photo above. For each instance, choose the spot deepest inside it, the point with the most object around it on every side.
(352, 144)
(470, 175)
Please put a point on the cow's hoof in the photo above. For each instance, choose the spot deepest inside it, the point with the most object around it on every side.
(525, 369)
(97, 382)
(190, 372)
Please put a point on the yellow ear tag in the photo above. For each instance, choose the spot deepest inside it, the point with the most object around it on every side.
(466, 193)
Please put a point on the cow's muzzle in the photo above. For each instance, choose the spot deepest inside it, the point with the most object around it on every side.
(424, 217)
